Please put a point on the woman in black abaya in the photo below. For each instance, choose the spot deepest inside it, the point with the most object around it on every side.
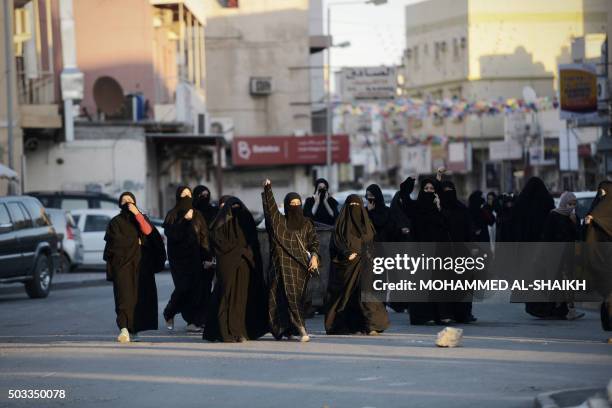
(599, 247)
(379, 213)
(294, 247)
(403, 212)
(134, 252)
(430, 226)
(458, 222)
(346, 313)
(561, 226)
(239, 309)
(532, 207)
(188, 249)
(321, 207)
(481, 216)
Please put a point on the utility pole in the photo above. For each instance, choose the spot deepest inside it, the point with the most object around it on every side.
(8, 60)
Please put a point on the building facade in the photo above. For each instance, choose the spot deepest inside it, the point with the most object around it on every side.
(483, 50)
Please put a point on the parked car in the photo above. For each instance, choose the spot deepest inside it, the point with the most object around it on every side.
(92, 224)
(29, 245)
(74, 200)
(158, 223)
(71, 255)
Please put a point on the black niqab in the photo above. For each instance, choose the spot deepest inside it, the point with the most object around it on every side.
(294, 214)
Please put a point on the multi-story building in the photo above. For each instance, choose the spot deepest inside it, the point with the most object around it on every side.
(484, 50)
(28, 84)
(141, 70)
(264, 68)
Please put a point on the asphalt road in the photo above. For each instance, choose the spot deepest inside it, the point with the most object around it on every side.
(67, 342)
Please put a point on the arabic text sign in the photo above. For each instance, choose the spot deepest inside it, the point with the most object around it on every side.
(272, 150)
(368, 83)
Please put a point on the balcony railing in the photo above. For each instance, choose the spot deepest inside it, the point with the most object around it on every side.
(36, 91)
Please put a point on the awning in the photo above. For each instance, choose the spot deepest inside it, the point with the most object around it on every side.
(193, 138)
(7, 173)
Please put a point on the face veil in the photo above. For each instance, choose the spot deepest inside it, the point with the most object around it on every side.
(294, 213)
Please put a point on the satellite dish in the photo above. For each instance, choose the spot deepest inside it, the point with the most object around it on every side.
(529, 95)
(108, 95)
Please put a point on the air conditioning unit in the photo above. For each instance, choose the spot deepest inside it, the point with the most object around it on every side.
(222, 127)
(261, 86)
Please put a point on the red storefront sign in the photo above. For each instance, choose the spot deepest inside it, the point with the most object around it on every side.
(268, 150)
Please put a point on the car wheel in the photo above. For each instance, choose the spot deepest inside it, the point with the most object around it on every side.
(40, 284)
(65, 264)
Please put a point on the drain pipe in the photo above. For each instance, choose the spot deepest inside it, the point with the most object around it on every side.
(71, 78)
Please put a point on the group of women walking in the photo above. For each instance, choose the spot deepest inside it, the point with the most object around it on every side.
(216, 261)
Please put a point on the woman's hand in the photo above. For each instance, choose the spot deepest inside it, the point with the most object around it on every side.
(189, 214)
(437, 201)
(352, 256)
(314, 263)
(133, 209)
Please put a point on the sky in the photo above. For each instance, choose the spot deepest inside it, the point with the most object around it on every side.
(376, 33)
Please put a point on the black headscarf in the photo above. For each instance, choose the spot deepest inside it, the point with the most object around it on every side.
(601, 210)
(203, 204)
(319, 181)
(425, 200)
(294, 213)
(129, 194)
(406, 188)
(475, 203)
(353, 227)
(200, 201)
(182, 206)
(406, 202)
(380, 214)
(232, 209)
(531, 209)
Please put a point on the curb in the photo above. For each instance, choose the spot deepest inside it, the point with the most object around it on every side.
(59, 286)
(574, 397)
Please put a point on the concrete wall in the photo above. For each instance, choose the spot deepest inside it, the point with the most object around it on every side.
(110, 165)
(260, 38)
(115, 38)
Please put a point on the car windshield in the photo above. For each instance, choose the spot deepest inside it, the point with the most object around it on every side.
(583, 205)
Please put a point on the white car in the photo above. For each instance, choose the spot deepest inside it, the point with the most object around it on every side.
(93, 223)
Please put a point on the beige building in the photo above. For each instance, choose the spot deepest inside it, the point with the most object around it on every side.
(260, 83)
(486, 50)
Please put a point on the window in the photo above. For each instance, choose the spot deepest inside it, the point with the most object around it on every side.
(37, 213)
(74, 204)
(17, 216)
(4, 215)
(108, 205)
(96, 223)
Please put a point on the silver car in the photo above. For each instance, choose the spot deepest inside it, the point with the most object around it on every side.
(71, 255)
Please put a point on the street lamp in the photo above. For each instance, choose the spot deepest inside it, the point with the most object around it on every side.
(330, 118)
